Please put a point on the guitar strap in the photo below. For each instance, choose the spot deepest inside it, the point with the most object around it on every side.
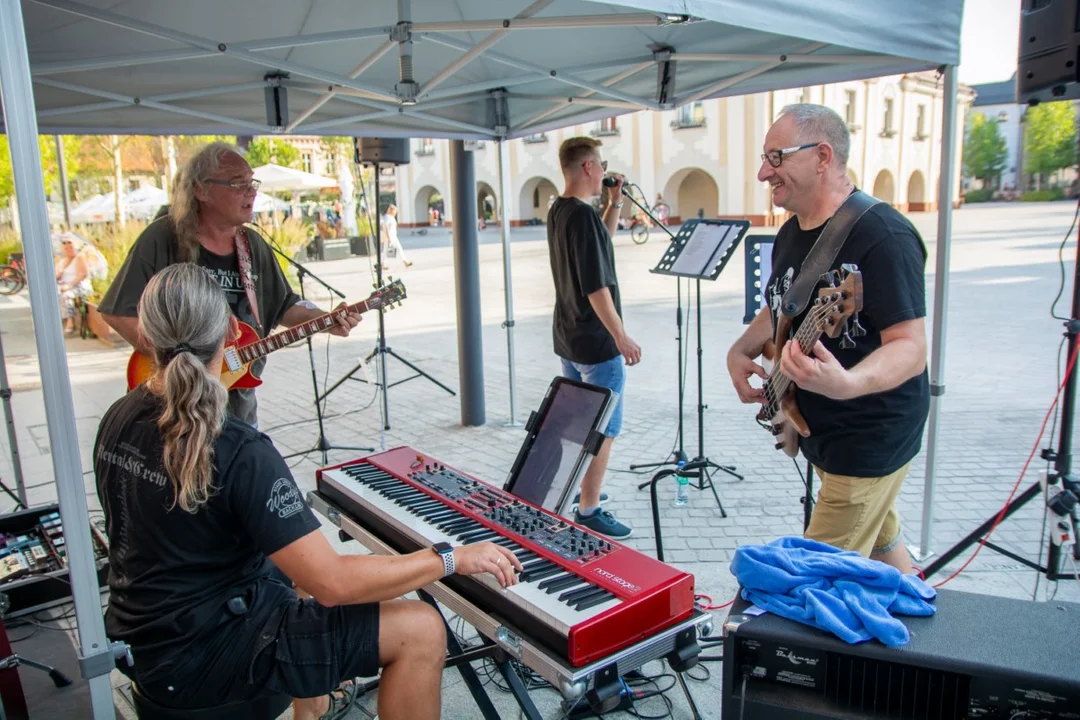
(243, 255)
(823, 254)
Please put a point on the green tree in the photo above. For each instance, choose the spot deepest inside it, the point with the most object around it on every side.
(49, 164)
(984, 150)
(263, 150)
(1050, 138)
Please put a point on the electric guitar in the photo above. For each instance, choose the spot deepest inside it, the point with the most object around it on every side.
(247, 346)
(828, 315)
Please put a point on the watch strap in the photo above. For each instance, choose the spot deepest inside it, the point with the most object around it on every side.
(448, 563)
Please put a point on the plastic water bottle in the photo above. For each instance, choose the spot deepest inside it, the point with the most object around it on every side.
(682, 490)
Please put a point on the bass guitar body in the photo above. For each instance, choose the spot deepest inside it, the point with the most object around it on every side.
(781, 416)
(829, 315)
(238, 376)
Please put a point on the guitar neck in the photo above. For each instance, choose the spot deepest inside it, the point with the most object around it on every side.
(778, 382)
(270, 343)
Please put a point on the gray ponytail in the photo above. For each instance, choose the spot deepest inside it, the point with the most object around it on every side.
(184, 317)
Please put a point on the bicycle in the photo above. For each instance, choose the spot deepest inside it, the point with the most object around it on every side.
(12, 275)
(639, 228)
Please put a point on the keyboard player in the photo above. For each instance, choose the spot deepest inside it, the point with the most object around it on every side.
(207, 526)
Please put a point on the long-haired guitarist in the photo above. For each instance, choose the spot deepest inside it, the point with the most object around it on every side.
(214, 194)
(206, 526)
(866, 404)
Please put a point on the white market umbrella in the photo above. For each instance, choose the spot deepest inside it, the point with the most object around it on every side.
(275, 178)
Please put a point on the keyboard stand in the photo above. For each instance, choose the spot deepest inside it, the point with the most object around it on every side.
(594, 684)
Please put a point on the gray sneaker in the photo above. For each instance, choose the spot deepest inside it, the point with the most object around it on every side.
(603, 522)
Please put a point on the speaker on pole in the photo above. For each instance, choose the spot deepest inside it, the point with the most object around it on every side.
(1048, 66)
(381, 151)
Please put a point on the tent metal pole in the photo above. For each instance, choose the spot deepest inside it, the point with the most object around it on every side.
(470, 326)
(941, 302)
(504, 220)
(16, 90)
(546, 72)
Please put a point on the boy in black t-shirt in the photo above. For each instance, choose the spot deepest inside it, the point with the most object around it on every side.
(865, 406)
(588, 331)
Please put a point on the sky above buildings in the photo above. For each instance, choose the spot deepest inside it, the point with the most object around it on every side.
(988, 40)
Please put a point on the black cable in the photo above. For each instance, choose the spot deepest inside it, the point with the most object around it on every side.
(1061, 264)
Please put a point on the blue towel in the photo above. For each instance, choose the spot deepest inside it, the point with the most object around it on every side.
(835, 590)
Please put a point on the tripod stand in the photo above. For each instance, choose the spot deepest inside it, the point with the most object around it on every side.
(1063, 505)
(696, 254)
(381, 350)
(322, 444)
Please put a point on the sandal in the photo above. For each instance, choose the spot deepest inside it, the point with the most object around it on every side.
(343, 699)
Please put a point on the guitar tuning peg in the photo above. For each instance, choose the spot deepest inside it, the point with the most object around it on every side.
(857, 330)
(846, 343)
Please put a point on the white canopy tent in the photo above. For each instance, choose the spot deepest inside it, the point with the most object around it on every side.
(328, 67)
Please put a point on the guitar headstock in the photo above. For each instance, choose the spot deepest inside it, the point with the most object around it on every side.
(387, 295)
(839, 302)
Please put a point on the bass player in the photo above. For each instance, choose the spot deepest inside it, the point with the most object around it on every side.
(865, 406)
(213, 198)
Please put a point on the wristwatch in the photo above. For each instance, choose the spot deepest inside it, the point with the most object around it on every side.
(446, 550)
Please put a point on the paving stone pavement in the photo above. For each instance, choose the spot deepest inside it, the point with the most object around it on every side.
(1001, 369)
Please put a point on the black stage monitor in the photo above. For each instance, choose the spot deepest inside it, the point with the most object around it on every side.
(563, 436)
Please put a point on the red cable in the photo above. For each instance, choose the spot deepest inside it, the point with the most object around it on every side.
(1023, 471)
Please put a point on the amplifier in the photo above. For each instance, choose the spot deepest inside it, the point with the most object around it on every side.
(979, 658)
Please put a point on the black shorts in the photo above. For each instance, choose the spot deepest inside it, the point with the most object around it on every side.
(284, 646)
(315, 648)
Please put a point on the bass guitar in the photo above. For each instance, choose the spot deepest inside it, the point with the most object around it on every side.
(247, 346)
(828, 315)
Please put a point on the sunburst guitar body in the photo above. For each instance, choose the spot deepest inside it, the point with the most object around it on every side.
(828, 315)
(247, 347)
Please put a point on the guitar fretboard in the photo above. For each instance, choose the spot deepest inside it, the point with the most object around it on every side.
(255, 350)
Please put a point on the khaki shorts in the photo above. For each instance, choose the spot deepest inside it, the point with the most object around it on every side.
(856, 513)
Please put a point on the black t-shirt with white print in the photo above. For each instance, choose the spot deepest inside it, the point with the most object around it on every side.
(876, 434)
(172, 572)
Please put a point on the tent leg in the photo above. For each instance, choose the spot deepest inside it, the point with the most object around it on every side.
(467, 278)
(504, 219)
(941, 302)
(18, 101)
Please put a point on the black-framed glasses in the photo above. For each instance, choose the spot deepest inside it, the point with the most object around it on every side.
(239, 187)
(602, 163)
(776, 157)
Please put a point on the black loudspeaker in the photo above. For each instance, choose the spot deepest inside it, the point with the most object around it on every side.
(384, 151)
(277, 105)
(980, 656)
(1048, 66)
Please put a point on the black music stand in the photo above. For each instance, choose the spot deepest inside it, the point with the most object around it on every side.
(381, 350)
(322, 444)
(700, 251)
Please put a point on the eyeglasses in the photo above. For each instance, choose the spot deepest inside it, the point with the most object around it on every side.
(776, 157)
(239, 187)
(601, 163)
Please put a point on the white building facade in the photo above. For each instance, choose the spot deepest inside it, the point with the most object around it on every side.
(704, 158)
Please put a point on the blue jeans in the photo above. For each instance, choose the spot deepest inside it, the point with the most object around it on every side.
(610, 374)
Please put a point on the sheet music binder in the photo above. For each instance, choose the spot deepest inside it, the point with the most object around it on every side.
(701, 249)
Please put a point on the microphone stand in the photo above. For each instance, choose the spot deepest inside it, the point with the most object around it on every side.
(680, 454)
(322, 444)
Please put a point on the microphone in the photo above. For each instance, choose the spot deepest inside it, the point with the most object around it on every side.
(610, 181)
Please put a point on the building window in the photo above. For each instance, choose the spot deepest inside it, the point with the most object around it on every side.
(331, 165)
(1003, 116)
(849, 107)
(920, 123)
(305, 161)
(692, 115)
(605, 127)
(427, 147)
(535, 138)
(887, 124)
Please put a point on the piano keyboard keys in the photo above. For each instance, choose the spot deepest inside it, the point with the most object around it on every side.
(544, 588)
